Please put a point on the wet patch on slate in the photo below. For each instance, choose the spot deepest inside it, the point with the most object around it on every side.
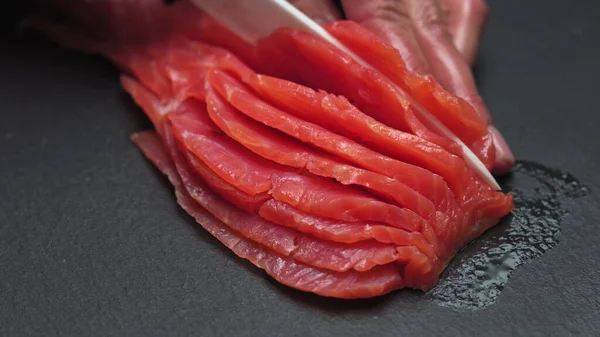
(475, 278)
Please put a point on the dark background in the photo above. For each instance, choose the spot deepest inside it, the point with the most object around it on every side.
(93, 244)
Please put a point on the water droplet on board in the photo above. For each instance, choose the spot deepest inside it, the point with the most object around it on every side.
(477, 275)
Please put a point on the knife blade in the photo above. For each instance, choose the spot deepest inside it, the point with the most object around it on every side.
(255, 19)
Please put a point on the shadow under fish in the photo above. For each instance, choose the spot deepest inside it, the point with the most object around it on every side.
(478, 274)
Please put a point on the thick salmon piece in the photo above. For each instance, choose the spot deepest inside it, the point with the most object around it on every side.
(458, 115)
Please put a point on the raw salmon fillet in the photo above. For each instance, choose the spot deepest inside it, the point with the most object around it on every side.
(312, 167)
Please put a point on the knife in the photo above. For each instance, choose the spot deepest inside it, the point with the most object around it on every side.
(252, 20)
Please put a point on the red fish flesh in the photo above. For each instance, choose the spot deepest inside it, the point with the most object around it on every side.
(300, 160)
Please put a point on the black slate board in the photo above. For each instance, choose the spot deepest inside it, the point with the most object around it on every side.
(93, 244)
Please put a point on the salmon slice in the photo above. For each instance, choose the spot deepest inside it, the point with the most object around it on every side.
(186, 63)
(285, 269)
(249, 203)
(347, 232)
(148, 101)
(327, 199)
(250, 174)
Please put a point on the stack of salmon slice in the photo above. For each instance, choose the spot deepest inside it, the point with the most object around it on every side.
(298, 159)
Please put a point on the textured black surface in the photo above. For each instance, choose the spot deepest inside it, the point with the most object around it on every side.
(93, 244)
